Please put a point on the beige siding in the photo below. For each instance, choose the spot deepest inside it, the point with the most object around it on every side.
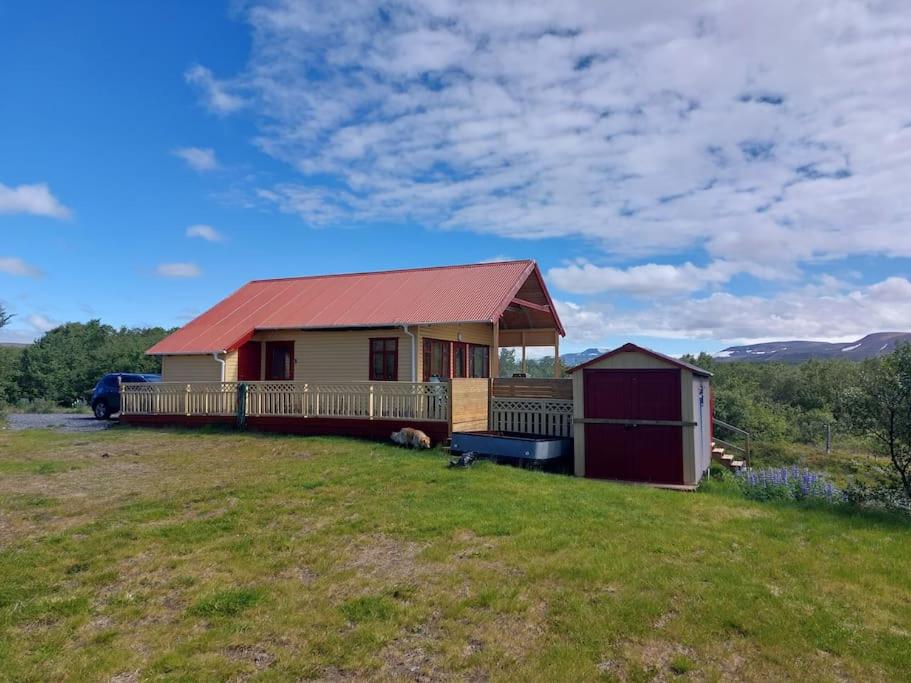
(630, 360)
(330, 355)
(578, 427)
(337, 356)
(197, 368)
(231, 367)
(472, 333)
(689, 433)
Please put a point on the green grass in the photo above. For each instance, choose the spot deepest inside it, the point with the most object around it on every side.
(212, 556)
(226, 603)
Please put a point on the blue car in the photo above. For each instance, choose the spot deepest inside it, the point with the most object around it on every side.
(106, 397)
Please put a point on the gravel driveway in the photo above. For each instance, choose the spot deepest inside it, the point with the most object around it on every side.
(67, 422)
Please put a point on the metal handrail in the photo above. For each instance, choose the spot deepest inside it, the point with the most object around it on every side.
(731, 427)
(747, 451)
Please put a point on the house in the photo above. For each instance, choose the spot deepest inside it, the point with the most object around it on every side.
(400, 325)
(642, 416)
(365, 354)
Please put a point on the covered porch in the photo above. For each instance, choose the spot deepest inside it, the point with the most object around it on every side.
(528, 320)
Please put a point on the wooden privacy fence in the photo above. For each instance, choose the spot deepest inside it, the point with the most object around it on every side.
(368, 400)
(542, 416)
(527, 387)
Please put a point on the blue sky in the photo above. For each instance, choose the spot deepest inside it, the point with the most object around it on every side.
(687, 176)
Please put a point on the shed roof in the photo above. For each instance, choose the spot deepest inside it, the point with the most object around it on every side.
(478, 292)
(626, 348)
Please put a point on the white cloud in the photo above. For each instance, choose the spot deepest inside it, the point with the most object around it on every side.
(206, 232)
(198, 158)
(32, 199)
(650, 280)
(827, 311)
(178, 270)
(41, 323)
(215, 93)
(774, 132)
(16, 266)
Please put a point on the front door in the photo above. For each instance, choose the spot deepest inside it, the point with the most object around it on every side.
(280, 360)
(249, 362)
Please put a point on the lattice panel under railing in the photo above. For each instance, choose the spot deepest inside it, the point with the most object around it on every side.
(543, 416)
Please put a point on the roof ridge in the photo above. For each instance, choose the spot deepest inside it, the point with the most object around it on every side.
(394, 270)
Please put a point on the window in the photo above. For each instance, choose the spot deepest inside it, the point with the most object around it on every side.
(384, 360)
(459, 359)
(280, 360)
(436, 359)
(480, 361)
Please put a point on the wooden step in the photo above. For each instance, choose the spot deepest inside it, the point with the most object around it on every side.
(718, 451)
(738, 464)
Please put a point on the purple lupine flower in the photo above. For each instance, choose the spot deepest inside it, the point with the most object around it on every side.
(787, 483)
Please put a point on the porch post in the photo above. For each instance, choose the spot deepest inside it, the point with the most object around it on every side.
(556, 354)
(524, 368)
(495, 351)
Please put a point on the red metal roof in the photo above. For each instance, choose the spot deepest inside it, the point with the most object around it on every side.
(448, 294)
(641, 349)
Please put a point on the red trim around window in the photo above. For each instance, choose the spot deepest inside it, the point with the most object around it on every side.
(387, 348)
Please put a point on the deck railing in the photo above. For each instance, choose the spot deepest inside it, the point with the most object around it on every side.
(544, 416)
(366, 400)
(178, 398)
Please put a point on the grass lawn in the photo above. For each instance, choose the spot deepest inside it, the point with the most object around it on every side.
(139, 554)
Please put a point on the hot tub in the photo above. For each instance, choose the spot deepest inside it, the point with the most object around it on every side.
(526, 450)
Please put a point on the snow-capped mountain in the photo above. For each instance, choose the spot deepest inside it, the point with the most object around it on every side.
(571, 360)
(872, 345)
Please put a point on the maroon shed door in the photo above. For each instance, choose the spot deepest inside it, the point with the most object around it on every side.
(249, 362)
(649, 453)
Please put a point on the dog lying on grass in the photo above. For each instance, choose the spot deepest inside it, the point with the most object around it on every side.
(411, 438)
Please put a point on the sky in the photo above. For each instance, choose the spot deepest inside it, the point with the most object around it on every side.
(688, 175)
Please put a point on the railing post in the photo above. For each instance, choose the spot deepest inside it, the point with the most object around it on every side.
(370, 404)
(450, 405)
(186, 404)
(305, 398)
(240, 417)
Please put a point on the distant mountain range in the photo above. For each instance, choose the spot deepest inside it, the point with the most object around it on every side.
(872, 345)
(571, 360)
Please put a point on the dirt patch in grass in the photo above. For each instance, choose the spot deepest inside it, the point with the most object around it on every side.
(415, 656)
(259, 657)
(388, 559)
(661, 660)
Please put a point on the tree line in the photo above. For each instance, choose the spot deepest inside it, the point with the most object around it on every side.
(64, 365)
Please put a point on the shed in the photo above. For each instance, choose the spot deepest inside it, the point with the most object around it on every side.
(642, 416)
